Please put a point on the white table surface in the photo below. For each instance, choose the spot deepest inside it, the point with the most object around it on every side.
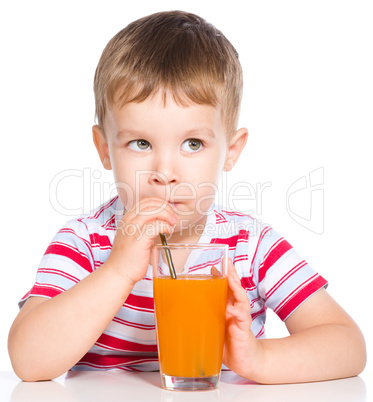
(115, 386)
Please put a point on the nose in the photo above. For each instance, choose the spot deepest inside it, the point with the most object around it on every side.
(165, 170)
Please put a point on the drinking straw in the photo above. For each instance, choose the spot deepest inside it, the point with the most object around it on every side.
(168, 256)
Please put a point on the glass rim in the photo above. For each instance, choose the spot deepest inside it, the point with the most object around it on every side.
(191, 245)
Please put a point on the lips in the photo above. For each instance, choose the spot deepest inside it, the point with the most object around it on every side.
(177, 206)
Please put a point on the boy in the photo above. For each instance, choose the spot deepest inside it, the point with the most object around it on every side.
(168, 90)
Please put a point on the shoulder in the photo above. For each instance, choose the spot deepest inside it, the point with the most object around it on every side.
(84, 241)
(234, 223)
(226, 215)
(103, 217)
(251, 235)
(94, 227)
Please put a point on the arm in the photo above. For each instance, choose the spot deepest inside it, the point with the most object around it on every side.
(324, 342)
(50, 335)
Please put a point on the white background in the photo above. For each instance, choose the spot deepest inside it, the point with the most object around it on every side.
(308, 106)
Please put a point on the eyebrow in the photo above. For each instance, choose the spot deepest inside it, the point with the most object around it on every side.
(203, 130)
(130, 133)
(142, 134)
(194, 132)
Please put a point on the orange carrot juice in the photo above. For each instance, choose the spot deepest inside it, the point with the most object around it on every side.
(190, 320)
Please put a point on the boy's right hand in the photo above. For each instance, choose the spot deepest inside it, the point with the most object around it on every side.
(99, 296)
(135, 236)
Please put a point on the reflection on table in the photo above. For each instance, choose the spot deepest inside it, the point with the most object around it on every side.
(124, 386)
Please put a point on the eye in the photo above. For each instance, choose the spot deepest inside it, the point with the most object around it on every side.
(139, 145)
(191, 145)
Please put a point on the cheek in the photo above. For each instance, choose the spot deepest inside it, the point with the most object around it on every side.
(132, 183)
(126, 194)
(206, 192)
(206, 196)
(126, 188)
(208, 181)
(208, 174)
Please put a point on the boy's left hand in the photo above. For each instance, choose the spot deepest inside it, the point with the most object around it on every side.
(300, 357)
(241, 348)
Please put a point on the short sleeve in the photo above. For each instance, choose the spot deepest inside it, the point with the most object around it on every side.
(285, 280)
(67, 260)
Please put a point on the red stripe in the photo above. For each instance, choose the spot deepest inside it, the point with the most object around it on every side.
(258, 313)
(243, 235)
(58, 272)
(140, 303)
(262, 234)
(134, 324)
(300, 296)
(112, 343)
(204, 265)
(45, 290)
(70, 252)
(285, 278)
(86, 242)
(295, 291)
(273, 246)
(109, 222)
(261, 332)
(231, 241)
(253, 301)
(238, 258)
(235, 213)
(247, 283)
(100, 367)
(113, 361)
(101, 241)
(109, 204)
(69, 230)
(219, 217)
(275, 254)
(26, 296)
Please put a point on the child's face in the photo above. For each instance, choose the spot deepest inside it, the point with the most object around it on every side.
(170, 152)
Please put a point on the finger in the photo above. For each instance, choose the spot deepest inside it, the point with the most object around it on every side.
(232, 271)
(238, 303)
(153, 229)
(157, 204)
(234, 281)
(149, 210)
(216, 272)
(152, 204)
(157, 207)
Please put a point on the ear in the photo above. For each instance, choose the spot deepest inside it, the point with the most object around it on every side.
(235, 146)
(102, 146)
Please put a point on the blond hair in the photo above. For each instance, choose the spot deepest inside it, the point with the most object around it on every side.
(174, 52)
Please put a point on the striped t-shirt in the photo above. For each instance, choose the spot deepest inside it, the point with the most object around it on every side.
(271, 272)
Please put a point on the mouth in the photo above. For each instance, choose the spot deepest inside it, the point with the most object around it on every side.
(176, 206)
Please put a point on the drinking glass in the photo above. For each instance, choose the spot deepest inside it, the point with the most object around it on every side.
(190, 313)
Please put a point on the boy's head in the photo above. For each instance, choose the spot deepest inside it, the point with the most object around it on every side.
(176, 53)
(168, 89)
